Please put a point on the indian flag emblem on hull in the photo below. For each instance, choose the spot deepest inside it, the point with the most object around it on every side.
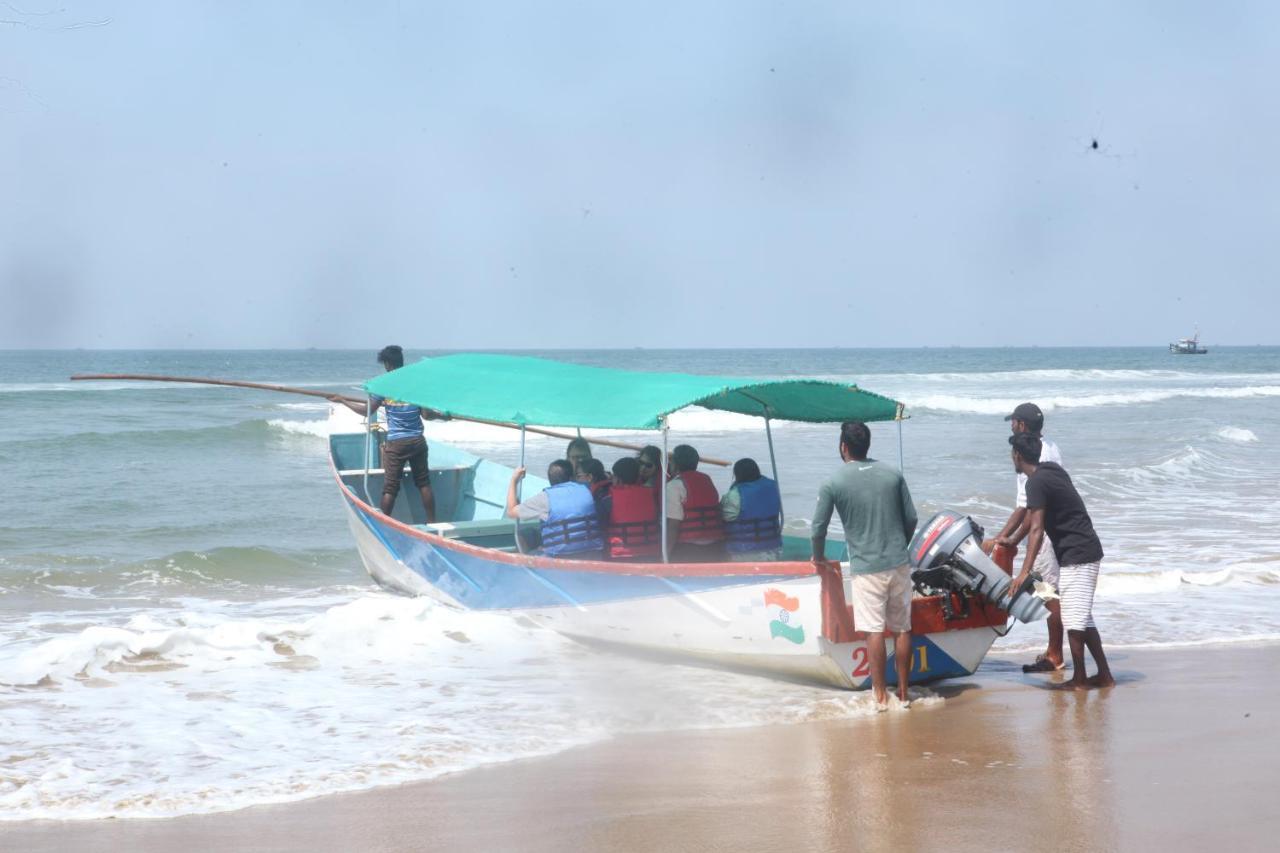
(782, 616)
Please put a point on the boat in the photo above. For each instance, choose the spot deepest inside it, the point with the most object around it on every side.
(788, 618)
(1188, 346)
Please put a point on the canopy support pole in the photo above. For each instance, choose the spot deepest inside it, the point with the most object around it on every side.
(773, 463)
(368, 447)
(662, 484)
(901, 466)
(519, 493)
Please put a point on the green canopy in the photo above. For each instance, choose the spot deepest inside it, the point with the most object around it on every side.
(537, 391)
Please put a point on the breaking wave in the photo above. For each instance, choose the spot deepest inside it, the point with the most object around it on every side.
(235, 706)
(251, 567)
(1237, 434)
(989, 406)
(1111, 584)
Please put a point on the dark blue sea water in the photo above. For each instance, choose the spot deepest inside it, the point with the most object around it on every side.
(180, 598)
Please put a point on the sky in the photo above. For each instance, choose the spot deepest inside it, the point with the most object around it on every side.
(507, 175)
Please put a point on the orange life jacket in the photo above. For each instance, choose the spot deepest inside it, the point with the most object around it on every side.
(633, 523)
(702, 521)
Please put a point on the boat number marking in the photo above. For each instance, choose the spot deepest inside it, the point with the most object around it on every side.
(862, 666)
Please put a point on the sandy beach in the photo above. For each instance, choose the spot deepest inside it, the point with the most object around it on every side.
(1180, 755)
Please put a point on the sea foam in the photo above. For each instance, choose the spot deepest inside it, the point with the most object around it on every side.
(1237, 434)
(234, 705)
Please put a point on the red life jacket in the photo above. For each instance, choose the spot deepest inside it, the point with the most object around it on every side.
(702, 521)
(633, 523)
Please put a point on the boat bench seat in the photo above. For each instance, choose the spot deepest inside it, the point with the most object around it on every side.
(496, 533)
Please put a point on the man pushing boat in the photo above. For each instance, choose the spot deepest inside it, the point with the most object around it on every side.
(1027, 418)
(1056, 510)
(879, 519)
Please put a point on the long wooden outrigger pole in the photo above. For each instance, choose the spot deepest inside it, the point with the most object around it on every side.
(310, 392)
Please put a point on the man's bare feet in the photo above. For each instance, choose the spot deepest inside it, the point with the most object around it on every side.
(1099, 681)
(1073, 684)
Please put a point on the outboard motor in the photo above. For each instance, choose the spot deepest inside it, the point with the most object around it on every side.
(947, 553)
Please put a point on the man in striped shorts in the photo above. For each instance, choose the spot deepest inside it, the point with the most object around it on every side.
(1055, 508)
(1027, 417)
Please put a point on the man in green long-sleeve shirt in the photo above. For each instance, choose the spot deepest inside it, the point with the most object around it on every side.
(879, 519)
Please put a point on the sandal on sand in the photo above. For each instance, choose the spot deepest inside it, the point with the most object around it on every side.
(1043, 664)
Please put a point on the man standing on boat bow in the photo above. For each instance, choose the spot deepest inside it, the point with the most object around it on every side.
(405, 442)
(879, 519)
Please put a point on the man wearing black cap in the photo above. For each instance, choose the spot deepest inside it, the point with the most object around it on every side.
(1055, 512)
(1027, 418)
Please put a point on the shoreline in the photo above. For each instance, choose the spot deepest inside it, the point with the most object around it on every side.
(1179, 754)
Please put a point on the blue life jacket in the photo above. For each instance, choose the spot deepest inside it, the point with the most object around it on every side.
(757, 527)
(572, 525)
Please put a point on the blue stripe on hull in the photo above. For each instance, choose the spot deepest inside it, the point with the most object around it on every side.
(483, 584)
(928, 663)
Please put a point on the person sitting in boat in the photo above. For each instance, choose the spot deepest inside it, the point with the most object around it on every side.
(570, 525)
(650, 459)
(630, 515)
(593, 476)
(695, 532)
(752, 513)
(578, 453)
(405, 442)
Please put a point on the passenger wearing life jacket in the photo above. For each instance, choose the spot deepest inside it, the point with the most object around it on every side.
(570, 524)
(752, 513)
(695, 533)
(650, 459)
(592, 475)
(630, 516)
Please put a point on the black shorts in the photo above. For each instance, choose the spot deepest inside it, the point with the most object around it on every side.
(395, 454)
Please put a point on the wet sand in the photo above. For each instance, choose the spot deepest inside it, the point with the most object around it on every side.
(1184, 753)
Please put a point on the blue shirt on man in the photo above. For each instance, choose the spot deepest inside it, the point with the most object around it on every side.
(404, 420)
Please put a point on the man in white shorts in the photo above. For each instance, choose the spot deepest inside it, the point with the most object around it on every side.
(1055, 510)
(1027, 418)
(879, 519)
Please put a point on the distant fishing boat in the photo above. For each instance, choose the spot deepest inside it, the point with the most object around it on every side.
(788, 617)
(1188, 346)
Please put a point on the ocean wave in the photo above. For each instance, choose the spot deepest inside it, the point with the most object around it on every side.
(252, 430)
(253, 567)
(150, 385)
(1112, 584)
(1237, 434)
(318, 406)
(1074, 375)
(315, 428)
(204, 710)
(988, 406)
(1025, 644)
